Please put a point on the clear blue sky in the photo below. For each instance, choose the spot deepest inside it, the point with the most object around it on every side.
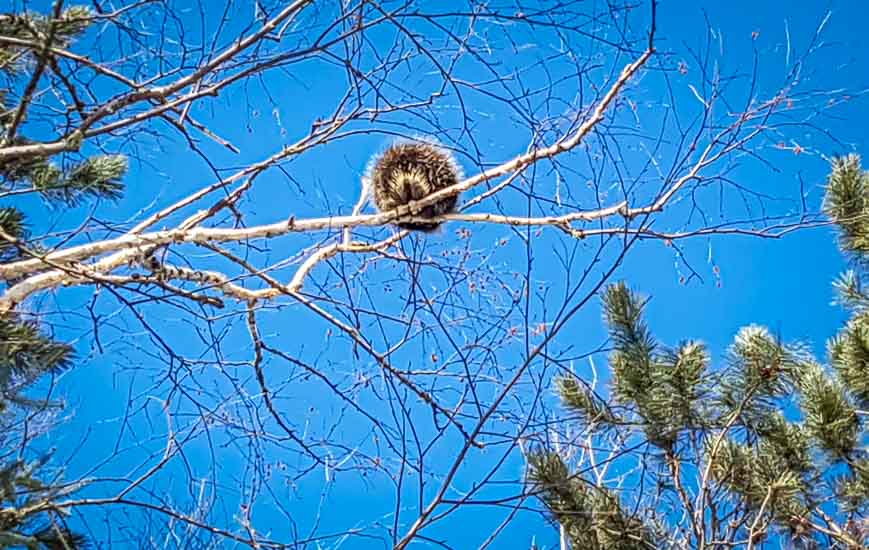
(783, 284)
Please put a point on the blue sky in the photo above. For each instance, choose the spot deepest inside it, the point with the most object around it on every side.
(784, 284)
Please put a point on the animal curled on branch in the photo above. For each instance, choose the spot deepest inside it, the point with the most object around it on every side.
(410, 171)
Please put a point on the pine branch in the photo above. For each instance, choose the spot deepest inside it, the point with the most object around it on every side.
(846, 203)
(13, 230)
(582, 401)
(829, 416)
(98, 177)
(26, 354)
(663, 386)
(593, 517)
(849, 356)
(21, 492)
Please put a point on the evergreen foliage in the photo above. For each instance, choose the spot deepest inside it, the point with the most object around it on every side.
(27, 518)
(21, 493)
(776, 436)
(592, 516)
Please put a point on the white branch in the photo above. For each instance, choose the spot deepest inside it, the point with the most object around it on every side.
(128, 247)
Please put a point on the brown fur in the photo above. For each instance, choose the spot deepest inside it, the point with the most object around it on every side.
(409, 172)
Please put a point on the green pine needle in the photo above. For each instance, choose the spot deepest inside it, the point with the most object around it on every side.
(25, 351)
(99, 177)
(829, 416)
(12, 225)
(846, 203)
(631, 359)
(593, 517)
(582, 401)
(849, 291)
(849, 355)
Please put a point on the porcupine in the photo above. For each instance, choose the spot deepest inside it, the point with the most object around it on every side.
(409, 171)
